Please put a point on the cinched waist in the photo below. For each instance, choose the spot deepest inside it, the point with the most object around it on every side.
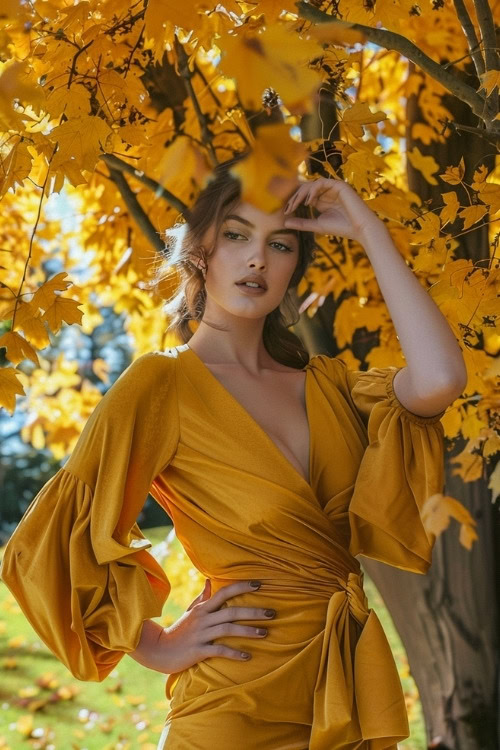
(351, 583)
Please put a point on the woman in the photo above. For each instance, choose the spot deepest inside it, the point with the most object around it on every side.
(273, 467)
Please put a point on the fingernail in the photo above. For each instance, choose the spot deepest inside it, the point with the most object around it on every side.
(255, 584)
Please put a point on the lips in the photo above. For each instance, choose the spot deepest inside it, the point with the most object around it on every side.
(243, 283)
(256, 278)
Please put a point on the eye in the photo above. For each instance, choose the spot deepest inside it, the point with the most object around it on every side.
(286, 248)
(234, 233)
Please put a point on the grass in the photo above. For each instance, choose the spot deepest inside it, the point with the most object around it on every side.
(43, 706)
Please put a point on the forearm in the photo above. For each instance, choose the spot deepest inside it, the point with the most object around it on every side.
(151, 646)
(430, 347)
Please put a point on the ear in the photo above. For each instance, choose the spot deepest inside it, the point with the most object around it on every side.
(199, 263)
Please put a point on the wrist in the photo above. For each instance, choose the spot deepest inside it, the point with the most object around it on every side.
(149, 649)
(373, 233)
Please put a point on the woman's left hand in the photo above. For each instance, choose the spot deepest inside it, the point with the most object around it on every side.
(342, 212)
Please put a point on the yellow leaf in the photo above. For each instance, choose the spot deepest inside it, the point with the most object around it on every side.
(17, 348)
(28, 692)
(472, 214)
(449, 212)
(101, 369)
(67, 692)
(185, 15)
(359, 114)
(454, 175)
(470, 466)
(491, 445)
(427, 165)
(278, 58)
(9, 386)
(81, 140)
(15, 167)
(422, 132)
(45, 294)
(337, 32)
(489, 193)
(17, 641)
(489, 81)
(494, 483)
(269, 172)
(62, 309)
(135, 700)
(437, 511)
(48, 681)
(24, 725)
(29, 321)
(429, 229)
(467, 536)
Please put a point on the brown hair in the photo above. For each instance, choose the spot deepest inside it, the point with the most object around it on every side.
(183, 243)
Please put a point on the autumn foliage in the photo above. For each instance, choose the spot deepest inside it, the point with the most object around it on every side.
(122, 110)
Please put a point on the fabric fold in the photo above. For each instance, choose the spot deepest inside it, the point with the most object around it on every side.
(364, 706)
(77, 562)
(402, 466)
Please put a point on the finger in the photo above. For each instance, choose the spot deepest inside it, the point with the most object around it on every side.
(227, 592)
(297, 197)
(306, 225)
(218, 649)
(205, 594)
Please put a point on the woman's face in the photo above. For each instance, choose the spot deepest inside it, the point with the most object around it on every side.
(250, 241)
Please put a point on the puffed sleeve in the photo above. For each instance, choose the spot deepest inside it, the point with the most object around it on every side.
(403, 464)
(77, 563)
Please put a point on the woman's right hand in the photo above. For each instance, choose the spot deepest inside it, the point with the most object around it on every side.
(190, 639)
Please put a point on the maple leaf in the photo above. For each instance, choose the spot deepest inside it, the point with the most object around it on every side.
(60, 310)
(273, 58)
(17, 348)
(81, 140)
(15, 167)
(449, 212)
(489, 81)
(454, 175)
(9, 387)
(360, 113)
(46, 293)
(268, 174)
(437, 512)
(427, 165)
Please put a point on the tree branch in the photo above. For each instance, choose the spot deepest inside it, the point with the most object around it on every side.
(118, 165)
(206, 133)
(399, 43)
(136, 211)
(481, 132)
(487, 26)
(470, 34)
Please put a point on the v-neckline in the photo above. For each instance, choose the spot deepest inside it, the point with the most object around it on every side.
(257, 426)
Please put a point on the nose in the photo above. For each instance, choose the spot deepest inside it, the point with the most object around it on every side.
(257, 256)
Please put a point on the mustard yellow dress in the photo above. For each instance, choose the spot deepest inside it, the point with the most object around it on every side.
(324, 678)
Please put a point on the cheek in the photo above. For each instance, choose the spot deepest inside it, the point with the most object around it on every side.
(288, 266)
(222, 268)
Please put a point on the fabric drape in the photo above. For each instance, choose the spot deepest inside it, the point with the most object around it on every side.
(324, 678)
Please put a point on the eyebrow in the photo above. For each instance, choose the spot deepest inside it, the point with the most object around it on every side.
(249, 224)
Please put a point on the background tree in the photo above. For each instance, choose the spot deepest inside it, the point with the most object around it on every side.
(123, 110)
